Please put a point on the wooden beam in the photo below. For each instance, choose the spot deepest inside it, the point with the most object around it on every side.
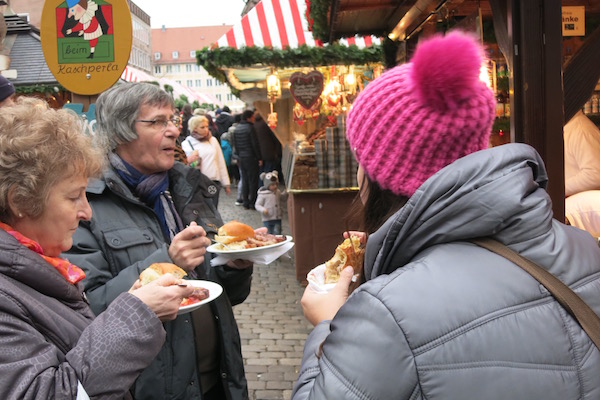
(537, 112)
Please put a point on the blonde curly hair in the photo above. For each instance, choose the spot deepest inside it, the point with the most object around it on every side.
(39, 147)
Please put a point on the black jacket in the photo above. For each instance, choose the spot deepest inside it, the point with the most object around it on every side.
(246, 142)
(270, 146)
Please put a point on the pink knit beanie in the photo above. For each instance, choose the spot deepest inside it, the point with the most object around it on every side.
(419, 117)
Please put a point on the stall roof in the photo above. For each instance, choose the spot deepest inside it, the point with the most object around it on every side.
(131, 74)
(279, 24)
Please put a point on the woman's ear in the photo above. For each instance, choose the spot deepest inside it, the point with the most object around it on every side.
(12, 204)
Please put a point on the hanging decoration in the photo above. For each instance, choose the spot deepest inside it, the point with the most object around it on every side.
(306, 88)
(273, 93)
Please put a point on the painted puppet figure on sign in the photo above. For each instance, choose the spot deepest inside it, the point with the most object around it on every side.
(88, 26)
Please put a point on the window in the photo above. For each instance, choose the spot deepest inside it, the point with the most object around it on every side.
(189, 67)
(188, 83)
(157, 69)
(178, 81)
(175, 55)
(209, 82)
(157, 56)
(198, 83)
(169, 69)
(218, 96)
(196, 68)
(193, 53)
(177, 68)
(229, 97)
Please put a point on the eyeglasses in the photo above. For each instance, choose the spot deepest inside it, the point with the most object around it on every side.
(159, 122)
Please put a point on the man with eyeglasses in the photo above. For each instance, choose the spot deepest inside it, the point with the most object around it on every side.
(148, 208)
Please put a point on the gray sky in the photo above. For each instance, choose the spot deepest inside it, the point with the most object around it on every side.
(185, 13)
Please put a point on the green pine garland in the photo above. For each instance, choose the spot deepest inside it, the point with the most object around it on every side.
(318, 13)
(45, 89)
(213, 60)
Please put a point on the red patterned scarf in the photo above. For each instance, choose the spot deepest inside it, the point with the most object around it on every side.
(70, 272)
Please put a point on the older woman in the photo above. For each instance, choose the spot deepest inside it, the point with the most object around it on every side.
(149, 208)
(204, 148)
(52, 347)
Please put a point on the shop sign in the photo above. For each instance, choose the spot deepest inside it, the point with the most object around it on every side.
(573, 21)
(306, 88)
(86, 43)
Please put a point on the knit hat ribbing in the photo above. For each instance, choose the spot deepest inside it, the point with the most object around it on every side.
(419, 117)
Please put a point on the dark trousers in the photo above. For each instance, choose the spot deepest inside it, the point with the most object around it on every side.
(249, 171)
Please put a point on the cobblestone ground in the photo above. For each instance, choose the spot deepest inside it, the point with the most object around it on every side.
(271, 323)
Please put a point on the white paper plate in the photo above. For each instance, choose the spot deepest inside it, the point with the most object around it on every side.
(216, 248)
(316, 279)
(214, 291)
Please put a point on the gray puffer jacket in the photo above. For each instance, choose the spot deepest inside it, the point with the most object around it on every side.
(441, 318)
(51, 345)
(123, 238)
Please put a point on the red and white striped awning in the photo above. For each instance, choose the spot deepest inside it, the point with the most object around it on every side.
(279, 24)
(131, 74)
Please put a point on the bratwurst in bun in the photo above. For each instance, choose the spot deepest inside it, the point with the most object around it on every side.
(234, 235)
(157, 270)
(234, 231)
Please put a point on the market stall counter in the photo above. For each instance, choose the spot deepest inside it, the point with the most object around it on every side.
(318, 218)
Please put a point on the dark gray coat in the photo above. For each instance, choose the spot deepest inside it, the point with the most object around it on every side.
(441, 318)
(50, 341)
(122, 239)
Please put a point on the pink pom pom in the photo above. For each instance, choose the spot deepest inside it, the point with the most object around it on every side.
(445, 70)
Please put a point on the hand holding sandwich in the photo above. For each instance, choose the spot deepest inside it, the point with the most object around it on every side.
(320, 307)
(188, 247)
(162, 295)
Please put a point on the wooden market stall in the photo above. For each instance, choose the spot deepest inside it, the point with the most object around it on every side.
(549, 78)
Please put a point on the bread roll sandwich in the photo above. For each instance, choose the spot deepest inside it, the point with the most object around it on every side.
(233, 235)
(157, 270)
(349, 253)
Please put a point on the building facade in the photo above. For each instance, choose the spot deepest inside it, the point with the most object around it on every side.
(141, 42)
(174, 57)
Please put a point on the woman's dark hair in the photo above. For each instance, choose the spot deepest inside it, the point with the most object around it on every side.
(237, 118)
(379, 206)
(187, 111)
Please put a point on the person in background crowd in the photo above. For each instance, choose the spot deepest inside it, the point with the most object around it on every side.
(269, 202)
(232, 169)
(7, 92)
(212, 127)
(247, 149)
(270, 146)
(583, 211)
(438, 313)
(235, 159)
(52, 347)
(582, 155)
(223, 122)
(186, 114)
(147, 209)
(202, 147)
